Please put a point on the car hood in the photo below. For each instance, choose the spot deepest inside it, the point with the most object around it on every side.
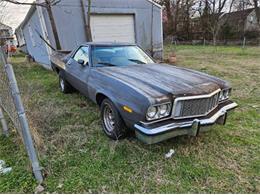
(158, 80)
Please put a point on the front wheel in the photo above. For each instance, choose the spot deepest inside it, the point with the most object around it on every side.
(65, 87)
(113, 124)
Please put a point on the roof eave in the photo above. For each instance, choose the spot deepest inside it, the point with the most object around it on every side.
(27, 17)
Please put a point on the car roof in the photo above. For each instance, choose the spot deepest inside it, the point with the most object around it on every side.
(108, 44)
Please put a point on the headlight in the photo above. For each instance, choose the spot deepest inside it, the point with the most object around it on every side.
(158, 111)
(224, 94)
(151, 112)
(163, 109)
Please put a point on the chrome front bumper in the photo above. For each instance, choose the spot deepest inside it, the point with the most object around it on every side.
(151, 135)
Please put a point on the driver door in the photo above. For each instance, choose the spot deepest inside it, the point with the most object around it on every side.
(77, 70)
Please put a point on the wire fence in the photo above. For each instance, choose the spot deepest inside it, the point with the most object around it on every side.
(6, 94)
(11, 105)
(228, 42)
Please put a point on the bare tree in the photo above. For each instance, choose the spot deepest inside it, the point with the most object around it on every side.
(178, 15)
(213, 12)
(240, 5)
(23, 3)
(168, 7)
(176, 10)
(203, 10)
(187, 11)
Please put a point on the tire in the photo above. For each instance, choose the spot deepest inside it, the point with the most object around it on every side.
(113, 124)
(65, 87)
(53, 68)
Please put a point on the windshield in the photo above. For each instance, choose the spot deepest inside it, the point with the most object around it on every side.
(119, 56)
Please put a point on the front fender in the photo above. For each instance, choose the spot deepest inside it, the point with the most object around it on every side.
(121, 95)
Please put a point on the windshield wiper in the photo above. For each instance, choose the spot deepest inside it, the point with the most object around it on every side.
(137, 61)
(106, 64)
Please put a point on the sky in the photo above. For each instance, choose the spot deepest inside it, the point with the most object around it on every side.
(12, 15)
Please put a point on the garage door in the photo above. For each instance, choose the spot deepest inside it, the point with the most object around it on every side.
(113, 28)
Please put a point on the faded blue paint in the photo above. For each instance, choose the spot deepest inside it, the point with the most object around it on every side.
(37, 49)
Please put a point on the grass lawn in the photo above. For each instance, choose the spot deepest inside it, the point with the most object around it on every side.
(77, 157)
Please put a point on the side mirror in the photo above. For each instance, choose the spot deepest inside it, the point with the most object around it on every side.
(81, 62)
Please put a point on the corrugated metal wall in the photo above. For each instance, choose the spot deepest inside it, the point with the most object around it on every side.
(35, 46)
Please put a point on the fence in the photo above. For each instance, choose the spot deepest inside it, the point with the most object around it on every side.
(227, 42)
(11, 104)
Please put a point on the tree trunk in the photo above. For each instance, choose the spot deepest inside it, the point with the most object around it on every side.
(53, 25)
(175, 30)
(168, 9)
(188, 23)
(214, 39)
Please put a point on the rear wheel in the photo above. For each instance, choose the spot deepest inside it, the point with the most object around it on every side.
(65, 87)
(113, 124)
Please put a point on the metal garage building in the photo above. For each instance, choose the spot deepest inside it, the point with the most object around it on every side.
(134, 21)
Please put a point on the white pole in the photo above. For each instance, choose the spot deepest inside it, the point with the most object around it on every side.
(25, 130)
(3, 122)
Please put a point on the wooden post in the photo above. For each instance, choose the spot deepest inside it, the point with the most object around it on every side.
(152, 44)
(53, 25)
(244, 43)
(88, 23)
(84, 19)
(3, 122)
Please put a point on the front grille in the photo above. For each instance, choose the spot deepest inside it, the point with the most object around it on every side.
(194, 106)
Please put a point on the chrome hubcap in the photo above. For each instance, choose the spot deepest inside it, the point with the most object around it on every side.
(109, 119)
(62, 84)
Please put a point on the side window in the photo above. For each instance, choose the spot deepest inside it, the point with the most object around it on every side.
(82, 54)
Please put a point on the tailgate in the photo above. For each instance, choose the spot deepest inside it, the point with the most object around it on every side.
(58, 58)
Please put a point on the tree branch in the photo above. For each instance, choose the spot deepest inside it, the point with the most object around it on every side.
(53, 2)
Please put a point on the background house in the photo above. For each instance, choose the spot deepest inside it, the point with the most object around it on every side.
(6, 35)
(239, 24)
(134, 21)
